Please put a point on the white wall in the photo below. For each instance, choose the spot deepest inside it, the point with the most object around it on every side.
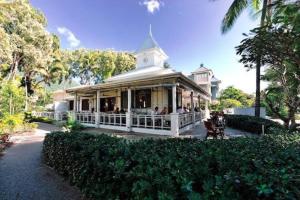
(61, 106)
(245, 111)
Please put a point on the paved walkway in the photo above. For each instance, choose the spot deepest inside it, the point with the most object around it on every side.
(24, 176)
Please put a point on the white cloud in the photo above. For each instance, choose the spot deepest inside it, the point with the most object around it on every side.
(73, 41)
(152, 5)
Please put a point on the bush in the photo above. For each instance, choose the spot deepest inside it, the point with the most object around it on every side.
(73, 125)
(105, 167)
(11, 123)
(251, 124)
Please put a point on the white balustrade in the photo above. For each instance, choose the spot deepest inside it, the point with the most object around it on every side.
(185, 119)
(112, 119)
(199, 116)
(49, 115)
(85, 117)
(162, 122)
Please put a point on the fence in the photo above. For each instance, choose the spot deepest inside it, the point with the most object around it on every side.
(162, 122)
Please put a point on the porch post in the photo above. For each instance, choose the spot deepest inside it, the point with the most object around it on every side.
(193, 107)
(174, 114)
(206, 109)
(73, 117)
(174, 98)
(75, 103)
(97, 113)
(128, 113)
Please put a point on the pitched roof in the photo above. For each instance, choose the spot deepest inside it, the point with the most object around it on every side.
(148, 43)
(141, 73)
(202, 69)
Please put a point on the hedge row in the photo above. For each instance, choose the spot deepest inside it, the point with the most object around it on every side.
(30, 118)
(251, 124)
(105, 167)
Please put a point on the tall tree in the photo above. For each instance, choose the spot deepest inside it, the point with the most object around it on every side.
(26, 47)
(94, 66)
(231, 16)
(278, 46)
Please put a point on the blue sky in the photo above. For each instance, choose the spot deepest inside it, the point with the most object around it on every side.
(188, 31)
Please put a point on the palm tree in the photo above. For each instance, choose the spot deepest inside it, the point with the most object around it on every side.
(232, 14)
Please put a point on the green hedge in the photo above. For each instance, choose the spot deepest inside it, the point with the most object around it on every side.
(30, 118)
(105, 167)
(251, 124)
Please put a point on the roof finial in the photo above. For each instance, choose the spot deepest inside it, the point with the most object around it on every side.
(150, 31)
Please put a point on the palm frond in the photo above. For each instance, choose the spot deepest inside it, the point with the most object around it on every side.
(256, 4)
(232, 14)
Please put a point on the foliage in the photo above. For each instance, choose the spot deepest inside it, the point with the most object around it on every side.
(11, 97)
(105, 167)
(233, 97)
(73, 125)
(251, 124)
(94, 66)
(41, 119)
(278, 47)
(230, 103)
(10, 123)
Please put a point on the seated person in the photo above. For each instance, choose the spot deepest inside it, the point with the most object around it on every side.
(164, 111)
(185, 110)
(117, 111)
(155, 112)
(122, 111)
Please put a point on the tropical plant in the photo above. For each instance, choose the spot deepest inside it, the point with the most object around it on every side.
(27, 49)
(231, 16)
(11, 97)
(278, 46)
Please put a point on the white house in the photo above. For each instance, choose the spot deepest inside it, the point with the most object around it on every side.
(127, 101)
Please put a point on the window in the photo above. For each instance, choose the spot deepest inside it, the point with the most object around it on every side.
(71, 105)
(85, 105)
(139, 99)
(142, 98)
(124, 99)
(107, 104)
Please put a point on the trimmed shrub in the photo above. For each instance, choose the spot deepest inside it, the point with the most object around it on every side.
(251, 124)
(30, 118)
(105, 167)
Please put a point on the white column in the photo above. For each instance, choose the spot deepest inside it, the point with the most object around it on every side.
(175, 124)
(98, 101)
(128, 114)
(174, 107)
(193, 107)
(206, 109)
(75, 103)
(129, 100)
(174, 114)
(97, 108)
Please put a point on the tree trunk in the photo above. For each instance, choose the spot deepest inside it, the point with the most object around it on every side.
(26, 94)
(10, 104)
(257, 94)
(258, 62)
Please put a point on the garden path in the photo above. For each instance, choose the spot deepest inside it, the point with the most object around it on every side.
(24, 176)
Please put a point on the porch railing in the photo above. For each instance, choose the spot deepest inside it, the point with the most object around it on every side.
(49, 115)
(162, 122)
(87, 118)
(185, 119)
(198, 116)
(112, 119)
